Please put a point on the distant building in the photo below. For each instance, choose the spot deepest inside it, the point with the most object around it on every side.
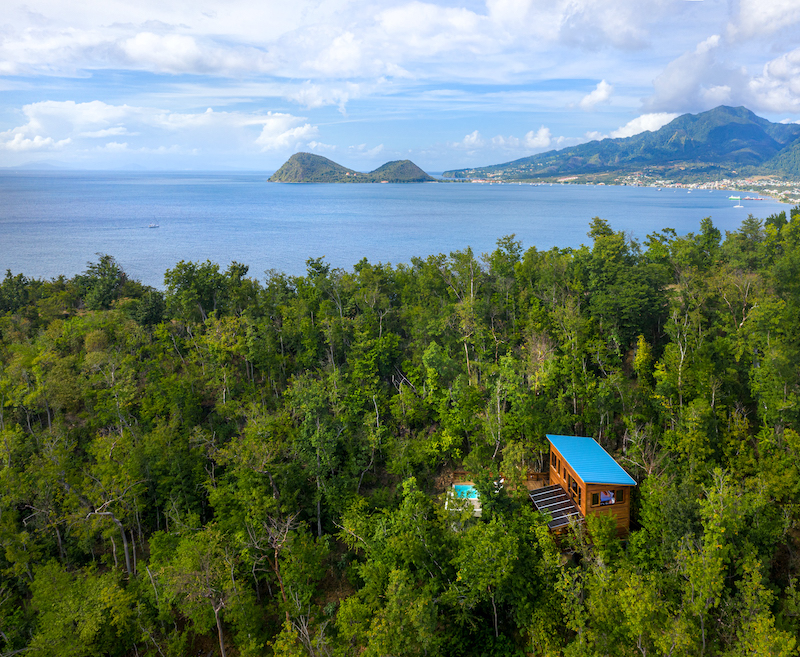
(584, 480)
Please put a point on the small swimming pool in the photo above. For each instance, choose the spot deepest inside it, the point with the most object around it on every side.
(466, 491)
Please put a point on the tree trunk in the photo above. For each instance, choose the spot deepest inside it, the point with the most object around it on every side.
(276, 567)
(60, 546)
(122, 533)
(217, 608)
(319, 497)
(494, 608)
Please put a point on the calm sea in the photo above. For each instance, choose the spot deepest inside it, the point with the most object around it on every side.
(55, 223)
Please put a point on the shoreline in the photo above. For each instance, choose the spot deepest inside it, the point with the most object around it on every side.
(771, 195)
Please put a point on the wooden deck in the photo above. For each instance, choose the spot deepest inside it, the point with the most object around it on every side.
(555, 501)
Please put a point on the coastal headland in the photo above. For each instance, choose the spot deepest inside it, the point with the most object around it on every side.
(310, 168)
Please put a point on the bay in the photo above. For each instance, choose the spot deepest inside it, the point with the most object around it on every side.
(54, 223)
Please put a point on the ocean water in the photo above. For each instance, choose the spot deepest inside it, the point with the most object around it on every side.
(56, 222)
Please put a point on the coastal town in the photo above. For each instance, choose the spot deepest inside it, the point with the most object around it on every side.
(785, 191)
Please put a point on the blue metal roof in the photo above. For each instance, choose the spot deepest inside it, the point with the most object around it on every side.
(591, 462)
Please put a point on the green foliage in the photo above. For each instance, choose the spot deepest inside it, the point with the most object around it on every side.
(84, 614)
(264, 465)
(102, 282)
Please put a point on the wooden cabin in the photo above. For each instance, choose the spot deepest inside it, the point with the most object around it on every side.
(584, 480)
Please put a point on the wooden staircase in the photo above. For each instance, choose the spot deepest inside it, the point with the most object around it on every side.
(555, 501)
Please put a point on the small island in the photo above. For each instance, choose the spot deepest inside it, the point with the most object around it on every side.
(310, 168)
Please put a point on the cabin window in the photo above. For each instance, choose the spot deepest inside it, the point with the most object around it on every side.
(553, 459)
(607, 497)
(595, 499)
(621, 495)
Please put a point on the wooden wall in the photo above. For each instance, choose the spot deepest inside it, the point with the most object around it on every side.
(620, 510)
(561, 476)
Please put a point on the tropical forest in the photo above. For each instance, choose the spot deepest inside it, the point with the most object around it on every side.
(253, 463)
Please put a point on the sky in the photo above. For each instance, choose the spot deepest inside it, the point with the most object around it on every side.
(235, 85)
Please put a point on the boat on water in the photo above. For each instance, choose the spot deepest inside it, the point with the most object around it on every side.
(153, 226)
(738, 205)
(734, 198)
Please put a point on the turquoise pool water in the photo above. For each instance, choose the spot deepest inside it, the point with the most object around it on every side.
(466, 490)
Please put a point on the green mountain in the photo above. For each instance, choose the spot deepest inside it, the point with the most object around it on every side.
(401, 171)
(726, 141)
(310, 168)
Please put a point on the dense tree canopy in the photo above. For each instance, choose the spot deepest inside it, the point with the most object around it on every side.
(258, 467)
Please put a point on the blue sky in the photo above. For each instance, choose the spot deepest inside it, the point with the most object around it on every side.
(210, 85)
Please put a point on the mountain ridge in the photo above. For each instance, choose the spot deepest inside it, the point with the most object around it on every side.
(718, 143)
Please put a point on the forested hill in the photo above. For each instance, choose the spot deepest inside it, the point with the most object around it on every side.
(310, 168)
(723, 142)
(257, 466)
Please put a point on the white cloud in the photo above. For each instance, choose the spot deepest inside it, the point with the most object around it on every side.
(172, 53)
(601, 94)
(642, 123)
(67, 50)
(363, 151)
(283, 131)
(502, 142)
(58, 124)
(720, 94)
(347, 38)
(594, 135)
(312, 96)
(473, 140)
(106, 132)
(343, 57)
(588, 24)
(539, 139)
(594, 24)
(16, 141)
(698, 81)
(434, 29)
(319, 147)
(504, 145)
(761, 18)
(777, 89)
(708, 45)
(116, 147)
(180, 53)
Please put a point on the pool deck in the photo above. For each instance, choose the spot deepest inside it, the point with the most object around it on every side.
(474, 501)
(534, 481)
